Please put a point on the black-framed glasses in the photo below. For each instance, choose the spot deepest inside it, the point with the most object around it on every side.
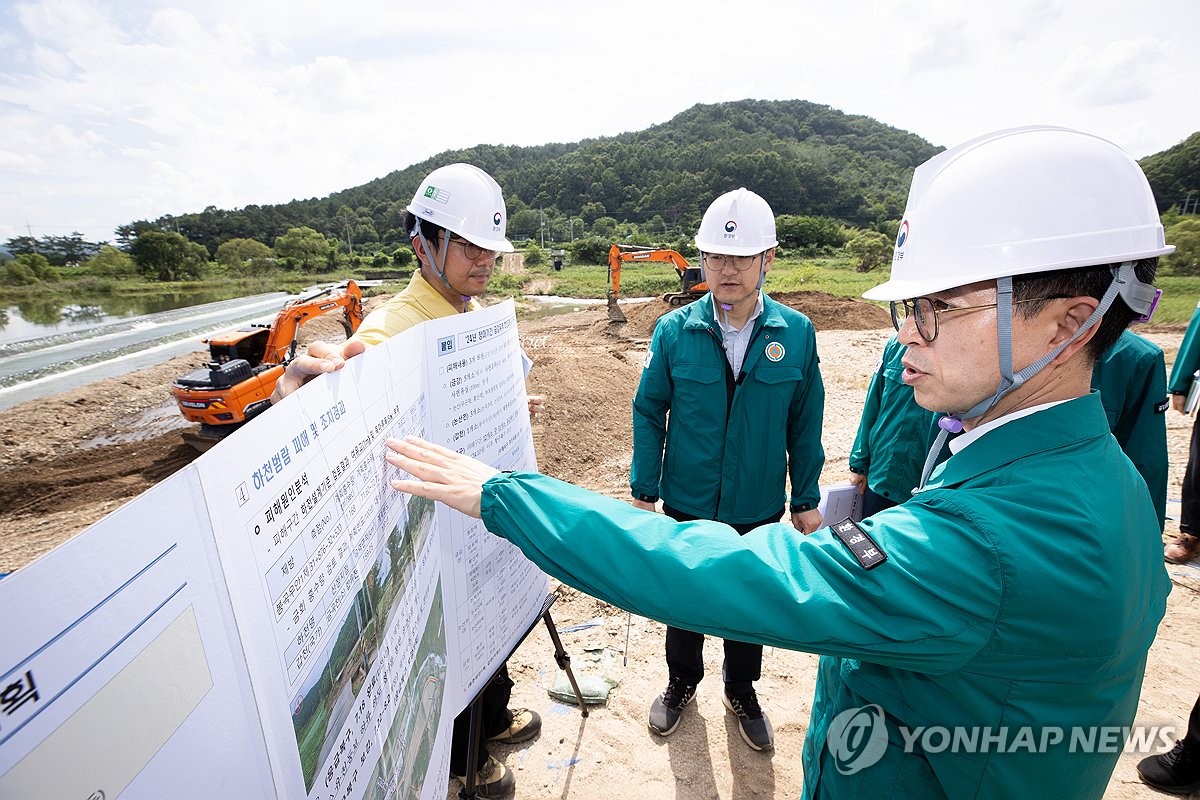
(719, 261)
(472, 251)
(925, 312)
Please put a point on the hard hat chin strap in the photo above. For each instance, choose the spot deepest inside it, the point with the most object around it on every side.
(440, 269)
(1137, 295)
(726, 307)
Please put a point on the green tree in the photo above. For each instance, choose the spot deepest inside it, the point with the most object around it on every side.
(111, 263)
(22, 244)
(604, 227)
(535, 256)
(64, 250)
(592, 250)
(402, 256)
(40, 266)
(523, 224)
(869, 249)
(246, 256)
(17, 273)
(1185, 235)
(168, 256)
(809, 234)
(304, 248)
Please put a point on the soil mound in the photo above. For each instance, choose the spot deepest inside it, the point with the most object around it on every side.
(832, 313)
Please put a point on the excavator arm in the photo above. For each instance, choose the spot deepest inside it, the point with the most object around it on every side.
(691, 283)
(285, 330)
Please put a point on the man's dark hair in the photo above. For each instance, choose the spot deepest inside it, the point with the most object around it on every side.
(1084, 282)
(433, 233)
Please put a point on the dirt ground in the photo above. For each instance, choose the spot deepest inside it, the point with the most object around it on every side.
(67, 460)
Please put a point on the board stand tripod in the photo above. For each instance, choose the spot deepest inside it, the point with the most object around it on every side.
(564, 663)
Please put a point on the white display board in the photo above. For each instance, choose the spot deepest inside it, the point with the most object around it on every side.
(275, 620)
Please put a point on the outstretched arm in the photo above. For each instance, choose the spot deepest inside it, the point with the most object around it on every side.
(320, 357)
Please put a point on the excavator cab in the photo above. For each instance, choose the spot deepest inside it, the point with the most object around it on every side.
(691, 283)
(247, 343)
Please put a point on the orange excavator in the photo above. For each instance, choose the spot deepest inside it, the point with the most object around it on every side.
(236, 384)
(691, 279)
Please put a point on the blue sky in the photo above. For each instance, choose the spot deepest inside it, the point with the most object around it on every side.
(116, 111)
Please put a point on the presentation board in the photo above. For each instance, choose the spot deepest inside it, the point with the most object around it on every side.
(275, 620)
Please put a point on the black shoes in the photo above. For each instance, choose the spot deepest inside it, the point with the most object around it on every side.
(668, 706)
(754, 725)
(1176, 771)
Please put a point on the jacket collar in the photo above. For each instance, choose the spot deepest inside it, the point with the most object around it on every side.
(1064, 424)
(702, 314)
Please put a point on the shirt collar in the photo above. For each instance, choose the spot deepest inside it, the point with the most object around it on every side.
(725, 326)
(959, 442)
(428, 297)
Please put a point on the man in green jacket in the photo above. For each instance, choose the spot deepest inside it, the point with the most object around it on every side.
(1131, 377)
(1187, 545)
(893, 436)
(887, 456)
(988, 637)
(729, 405)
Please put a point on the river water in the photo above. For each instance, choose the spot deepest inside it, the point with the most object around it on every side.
(76, 353)
(40, 359)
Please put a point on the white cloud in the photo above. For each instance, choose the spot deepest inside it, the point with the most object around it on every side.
(1123, 72)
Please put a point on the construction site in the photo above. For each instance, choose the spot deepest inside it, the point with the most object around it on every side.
(67, 460)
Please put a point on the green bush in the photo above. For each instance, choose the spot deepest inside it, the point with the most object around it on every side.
(869, 249)
(1185, 235)
(535, 256)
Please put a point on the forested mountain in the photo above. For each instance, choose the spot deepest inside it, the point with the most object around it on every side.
(1174, 175)
(806, 159)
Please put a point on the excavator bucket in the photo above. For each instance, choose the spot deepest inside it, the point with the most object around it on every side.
(614, 311)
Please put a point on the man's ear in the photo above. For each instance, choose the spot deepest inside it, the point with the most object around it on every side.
(418, 247)
(768, 260)
(1070, 313)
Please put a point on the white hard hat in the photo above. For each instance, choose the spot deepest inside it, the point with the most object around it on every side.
(464, 200)
(738, 223)
(1021, 201)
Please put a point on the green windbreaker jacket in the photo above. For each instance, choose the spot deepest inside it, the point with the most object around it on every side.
(718, 446)
(1021, 590)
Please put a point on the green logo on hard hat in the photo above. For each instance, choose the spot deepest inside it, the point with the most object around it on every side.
(434, 193)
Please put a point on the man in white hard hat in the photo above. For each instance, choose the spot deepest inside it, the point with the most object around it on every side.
(729, 403)
(456, 222)
(988, 637)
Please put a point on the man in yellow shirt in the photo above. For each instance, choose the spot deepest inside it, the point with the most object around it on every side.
(456, 222)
